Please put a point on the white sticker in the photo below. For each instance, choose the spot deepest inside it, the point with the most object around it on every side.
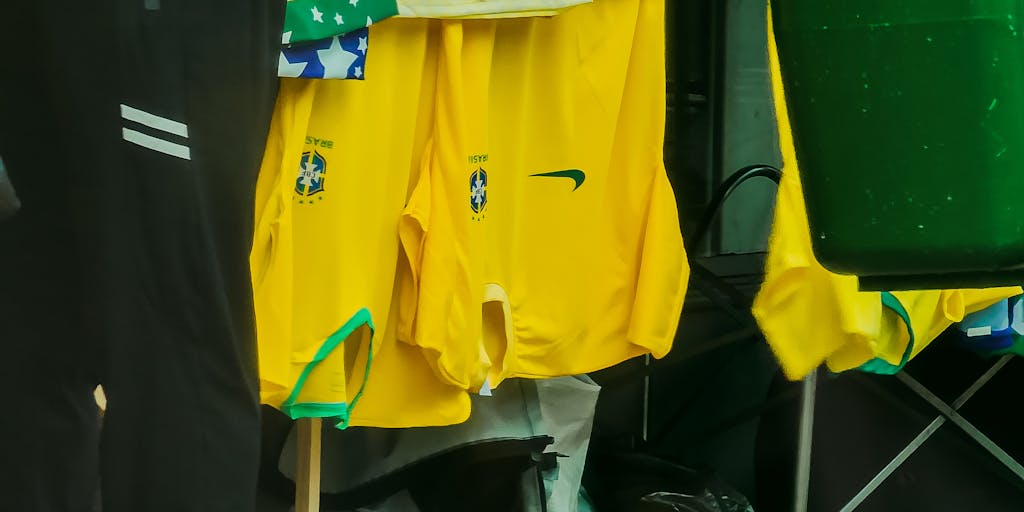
(979, 331)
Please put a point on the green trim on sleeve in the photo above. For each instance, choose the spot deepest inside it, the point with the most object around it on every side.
(316, 410)
(343, 424)
(339, 410)
(879, 365)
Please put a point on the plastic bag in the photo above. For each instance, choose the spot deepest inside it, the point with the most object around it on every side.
(705, 501)
(634, 482)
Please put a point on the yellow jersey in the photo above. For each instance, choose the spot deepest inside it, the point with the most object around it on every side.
(543, 227)
(810, 315)
(336, 174)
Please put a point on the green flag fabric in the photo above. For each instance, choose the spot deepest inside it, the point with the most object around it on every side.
(310, 20)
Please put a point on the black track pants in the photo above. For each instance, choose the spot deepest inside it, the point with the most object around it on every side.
(132, 132)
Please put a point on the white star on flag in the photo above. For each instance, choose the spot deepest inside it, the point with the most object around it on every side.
(285, 68)
(317, 15)
(362, 45)
(369, 21)
(358, 72)
(338, 19)
(336, 60)
(353, 2)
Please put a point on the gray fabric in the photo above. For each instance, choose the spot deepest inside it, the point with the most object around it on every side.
(562, 408)
(566, 408)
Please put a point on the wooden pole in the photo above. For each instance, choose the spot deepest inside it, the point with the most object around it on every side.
(307, 466)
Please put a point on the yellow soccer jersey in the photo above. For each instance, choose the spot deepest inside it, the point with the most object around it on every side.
(483, 8)
(335, 177)
(544, 225)
(810, 315)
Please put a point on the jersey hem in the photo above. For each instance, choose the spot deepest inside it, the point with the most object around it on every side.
(373, 422)
(635, 350)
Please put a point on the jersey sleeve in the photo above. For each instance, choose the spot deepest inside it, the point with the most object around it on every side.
(664, 272)
(435, 307)
(808, 314)
(412, 231)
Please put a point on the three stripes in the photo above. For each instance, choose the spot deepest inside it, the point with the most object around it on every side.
(158, 123)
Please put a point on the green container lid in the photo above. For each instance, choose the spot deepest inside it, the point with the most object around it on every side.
(908, 121)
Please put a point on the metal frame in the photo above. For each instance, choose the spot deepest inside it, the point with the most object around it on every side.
(947, 412)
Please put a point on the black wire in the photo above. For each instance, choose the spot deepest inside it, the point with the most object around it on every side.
(708, 282)
(721, 294)
(723, 192)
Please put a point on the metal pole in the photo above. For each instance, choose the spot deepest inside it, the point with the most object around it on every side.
(803, 465)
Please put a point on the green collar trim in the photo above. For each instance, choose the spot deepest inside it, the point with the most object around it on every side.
(879, 365)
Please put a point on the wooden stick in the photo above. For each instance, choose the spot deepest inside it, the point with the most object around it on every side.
(307, 466)
(101, 398)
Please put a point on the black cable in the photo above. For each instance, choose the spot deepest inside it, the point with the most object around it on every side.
(723, 192)
(715, 289)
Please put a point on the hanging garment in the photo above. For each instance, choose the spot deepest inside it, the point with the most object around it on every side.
(483, 8)
(335, 177)
(133, 131)
(313, 20)
(543, 226)
(810, 315)
(338, 57)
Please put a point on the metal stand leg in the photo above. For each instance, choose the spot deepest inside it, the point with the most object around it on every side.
(803, 464)
(969, 429)
(904, 454)
(647, 400)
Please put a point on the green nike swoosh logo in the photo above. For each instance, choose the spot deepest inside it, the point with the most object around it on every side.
(576, 175)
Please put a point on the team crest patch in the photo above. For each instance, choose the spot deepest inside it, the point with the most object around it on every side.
(312, 171)
(478, 190)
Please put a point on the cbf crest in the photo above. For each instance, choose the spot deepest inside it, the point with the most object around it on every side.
(312, 171)
(478, 190)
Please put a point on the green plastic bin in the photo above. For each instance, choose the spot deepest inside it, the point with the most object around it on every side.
(908, 120)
